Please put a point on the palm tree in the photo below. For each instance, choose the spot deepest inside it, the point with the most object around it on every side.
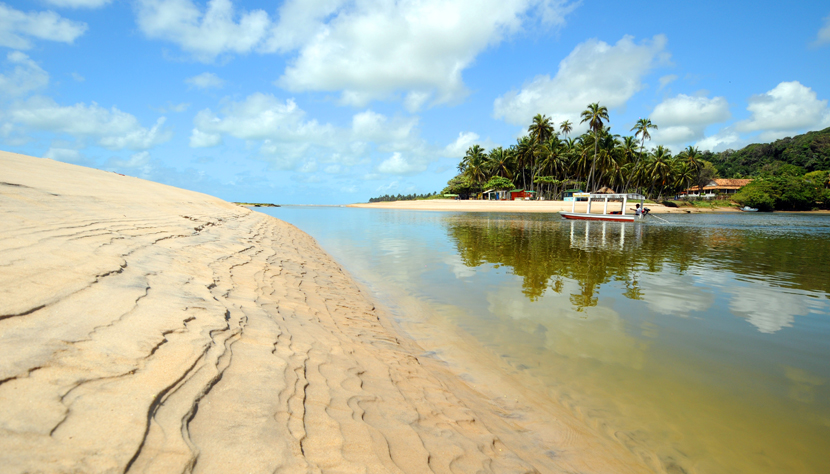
(641, 127)
(594, 115)
(465, 161)
(524, 156)
(475, 166)
(498, 162)
(659, 168)
(691, 156)
(540, 132)
(565, 127)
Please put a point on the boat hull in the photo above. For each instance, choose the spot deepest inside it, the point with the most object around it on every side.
(598, 217)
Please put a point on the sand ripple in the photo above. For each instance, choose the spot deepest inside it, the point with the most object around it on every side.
(145, 328)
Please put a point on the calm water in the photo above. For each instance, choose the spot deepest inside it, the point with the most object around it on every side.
(704, 342)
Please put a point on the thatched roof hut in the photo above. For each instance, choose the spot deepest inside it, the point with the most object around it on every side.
(605, 190)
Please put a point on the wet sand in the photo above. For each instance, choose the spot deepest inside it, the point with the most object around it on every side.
(145, 328)
(525, 206)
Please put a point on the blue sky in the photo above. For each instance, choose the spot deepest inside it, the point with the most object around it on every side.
(336, 101)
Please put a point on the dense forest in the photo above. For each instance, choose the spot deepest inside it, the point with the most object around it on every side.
(788, 156)
(548, 161)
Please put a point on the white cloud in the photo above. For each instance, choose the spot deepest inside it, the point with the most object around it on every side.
(17, 27)
(288, 139)
(373, 126)
(204, 34)
(789, 107)
(112, 128)
(262, 116)
(77, 77)
(823, 36)
(79, 3)
(725, 138)
(397, 164)
(375, 49)
(205, 80)
(459, 147)
(64, 154)
(26, 76)
(200, 139)
(684, 118)
(138, 162)
(593, 72)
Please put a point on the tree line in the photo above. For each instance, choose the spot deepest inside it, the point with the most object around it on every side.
(401, 197)
(548, 161)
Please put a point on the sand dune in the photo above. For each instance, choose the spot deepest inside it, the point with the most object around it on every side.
(145, 328)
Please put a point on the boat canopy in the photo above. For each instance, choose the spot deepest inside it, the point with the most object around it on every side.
(624, 197)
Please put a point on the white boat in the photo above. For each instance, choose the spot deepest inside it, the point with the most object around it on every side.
(605, 216)
(748, 209)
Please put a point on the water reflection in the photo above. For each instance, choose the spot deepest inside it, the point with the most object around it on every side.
(704, 342)
(668, 267)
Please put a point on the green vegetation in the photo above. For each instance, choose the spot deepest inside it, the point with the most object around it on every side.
(404, 197)
(545, 257)
(547, 163)
(787, 192)
(789, 156)
(257, 204)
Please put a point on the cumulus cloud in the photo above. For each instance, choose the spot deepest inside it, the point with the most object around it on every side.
(18, 28)
(787, 108)
(400, 165)
(262, 116)
(205, 80)
(684, 118)
(376, 127)
(112, 128)
(25, 77)
(375, 49)
(823, 36)
(725, 138)
(200, 139)
(291, 140)
(593, 72)
(78, 3)
(204, 34)
(459, 147)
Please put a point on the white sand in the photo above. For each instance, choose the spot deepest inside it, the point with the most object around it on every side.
(145, 328)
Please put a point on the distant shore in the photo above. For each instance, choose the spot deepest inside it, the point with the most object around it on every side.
(526, 206)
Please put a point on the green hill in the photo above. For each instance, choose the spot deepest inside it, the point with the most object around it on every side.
(787, 156)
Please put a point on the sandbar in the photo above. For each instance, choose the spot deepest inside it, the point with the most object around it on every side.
(145, 328)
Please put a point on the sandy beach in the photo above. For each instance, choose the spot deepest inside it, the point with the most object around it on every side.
(523, 206)
(145, 328)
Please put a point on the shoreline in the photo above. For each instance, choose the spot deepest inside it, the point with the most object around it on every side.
(451, 205)
(149, 328)
(522, 206)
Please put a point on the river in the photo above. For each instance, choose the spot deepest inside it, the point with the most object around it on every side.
(703, 341)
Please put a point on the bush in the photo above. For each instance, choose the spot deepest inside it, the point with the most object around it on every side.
(755, 197)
